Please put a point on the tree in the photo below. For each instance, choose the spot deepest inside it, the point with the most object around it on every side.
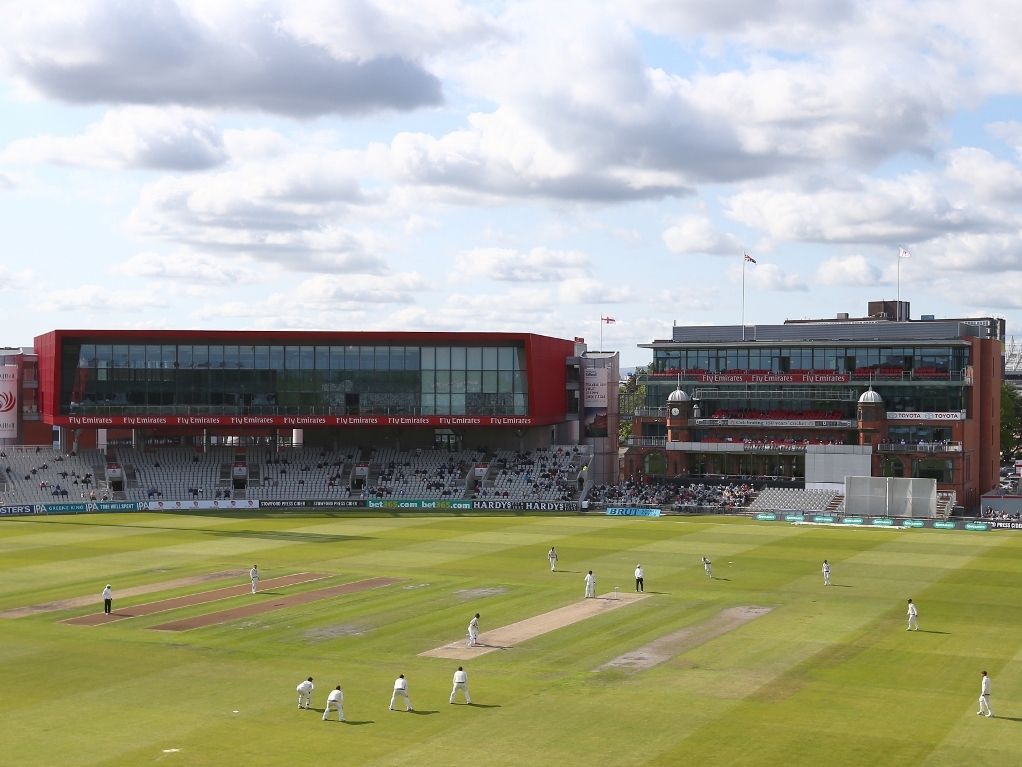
(1011, 422)
(624, 430)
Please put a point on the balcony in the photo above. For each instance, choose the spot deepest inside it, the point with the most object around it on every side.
(650, 412)
(920, 447)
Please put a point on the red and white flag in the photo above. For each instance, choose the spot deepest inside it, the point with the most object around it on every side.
(608, 320)
(750, 259)
(902, 253)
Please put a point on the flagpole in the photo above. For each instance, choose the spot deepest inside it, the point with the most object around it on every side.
(899, 283)
(743, 296)
(601, 334)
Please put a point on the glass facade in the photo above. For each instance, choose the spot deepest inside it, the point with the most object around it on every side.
(934, 361)
(293, 380)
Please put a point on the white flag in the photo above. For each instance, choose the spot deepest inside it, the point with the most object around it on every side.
(902, 253)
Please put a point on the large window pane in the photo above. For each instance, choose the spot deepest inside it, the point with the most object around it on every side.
(443, 404)
(246, 357)
(184, 356)
(457, 358)
(474, 381)
(506, 358)
(231, 358)
(505, 382)
(276, 358)
(457, 404)
(489, 358)
(427, 360)
(292, 355)
(520, 359)
(397, 358)
(216, 356)
(443, 358)
(443, 381)
(457, 381)
(351, 354)
(200, 356)
(383, 358)
(367, 358)
(474, 358)
(489, 381)
(154, 357)
(428, 381)
(428, 404)
(336, 358)
(411, 358)
(120, 357)
(307, 357)
(87, 356)
(521, 382)
(261, 358)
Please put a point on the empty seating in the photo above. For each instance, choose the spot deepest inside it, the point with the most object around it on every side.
(797, 500)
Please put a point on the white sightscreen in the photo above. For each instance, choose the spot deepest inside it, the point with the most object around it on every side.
(890, 496)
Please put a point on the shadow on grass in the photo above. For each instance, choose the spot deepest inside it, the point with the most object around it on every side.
(482, 705)
(1007, 718)
(715, 578)
(422, 713)
(841, 586)
(357, 724)
(925, 631)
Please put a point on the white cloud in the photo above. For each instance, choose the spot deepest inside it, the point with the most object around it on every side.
(697, 234)
(292, 58)
(11, 281)
(768, 277)
(89, 299)
(992, 179)
(862, 209)
(285, 210)
(848, 270)
(187, 266)
(136, 137)
(507, 265)
(325, 296)
(585, 290)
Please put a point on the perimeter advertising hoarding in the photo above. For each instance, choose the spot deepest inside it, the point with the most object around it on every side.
(954, 415)
(8, 402)
(857, 521)
(633, 512)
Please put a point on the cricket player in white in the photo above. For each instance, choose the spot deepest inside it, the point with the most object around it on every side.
(401, 688)
(552, 556)
(638, 578)
(461, 683)
(590, 585)
(254, 575)
(913, 613)
(984, 696)
(305, 693)
(826, 573)
(473, 631)
(335, 700)
(108, 600)
(708, 567)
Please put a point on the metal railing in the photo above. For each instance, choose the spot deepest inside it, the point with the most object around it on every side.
(920, 447)
(651, 412)
(646, 441)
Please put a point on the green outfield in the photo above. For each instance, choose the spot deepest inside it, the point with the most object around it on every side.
(829, 676)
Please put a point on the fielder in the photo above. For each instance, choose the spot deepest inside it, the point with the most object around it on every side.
(305, 693)
(984, 696)
(552, 557)
(108, 600)
(590, 585)
(461, 683)
(638, 578)
(913, 613)
(708, 567)
(254, 575)
(473, 631)
(826, 573)
(401, 688)
(335, 700)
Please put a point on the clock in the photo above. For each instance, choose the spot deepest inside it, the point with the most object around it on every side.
(675, 411)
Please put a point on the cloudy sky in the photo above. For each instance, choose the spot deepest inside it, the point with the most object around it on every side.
(388, 164)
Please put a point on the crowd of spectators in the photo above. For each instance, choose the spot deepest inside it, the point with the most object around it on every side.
(638, 494)
(990, 513)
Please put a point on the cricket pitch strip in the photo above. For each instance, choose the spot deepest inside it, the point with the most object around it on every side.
(508, 636)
